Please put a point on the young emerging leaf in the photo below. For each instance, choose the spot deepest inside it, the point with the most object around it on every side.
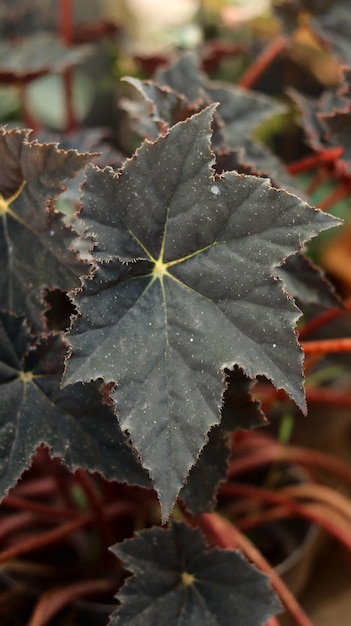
(75, 423)
(200, 296)
(178, 581)
(34, 240)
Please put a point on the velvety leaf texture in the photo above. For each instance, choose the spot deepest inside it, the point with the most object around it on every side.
(200, 296)
(178, 581)
(75, 423)
(34, 240)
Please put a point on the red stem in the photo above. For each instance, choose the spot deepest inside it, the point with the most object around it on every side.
(67, 38)
(302, 510)
(13, 523)
(338, 194)
(318, 179)
(276, 453)
(326, 346)
(66, 27)
(56, 599)
(36, 487)
(273, 622)
(57, 534)
(332, 397)
(258, 67)
(102, 525)
(323, 319)
(223, 534)
(313, 160)
(41, 510)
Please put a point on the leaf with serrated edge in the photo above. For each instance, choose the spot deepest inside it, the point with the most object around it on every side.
(75, 423)
(202, 296)
(178, 581)
(34, 240)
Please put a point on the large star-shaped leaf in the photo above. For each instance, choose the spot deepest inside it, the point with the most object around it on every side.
(179, 581)
(200, 296)
(34, 240)
(75, 423)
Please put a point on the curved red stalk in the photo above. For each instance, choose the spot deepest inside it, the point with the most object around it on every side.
(259, 65)
(45, 511)
(323, 319)
(335, 196)
(222, 533)
(102, 524)
(338, 529)
(57, 534)
(66, 21)
(56, 599)
(13, 523)
(327, 346)
(307, 163)
(36, 488)
(332, 397)
(276, 452)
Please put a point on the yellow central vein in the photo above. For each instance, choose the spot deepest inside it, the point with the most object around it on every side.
(5, 204)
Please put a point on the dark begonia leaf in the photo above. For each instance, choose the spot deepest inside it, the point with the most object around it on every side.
(312, 115)
(200, 296)
(165, 107)
(240, 110)
(327, 121)
(179, 581)
(75, 423)
(210, 469)
(239, 410)
(34, 240)
(184, 76)
(37, 54)
(338, 133)
(306, 282)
